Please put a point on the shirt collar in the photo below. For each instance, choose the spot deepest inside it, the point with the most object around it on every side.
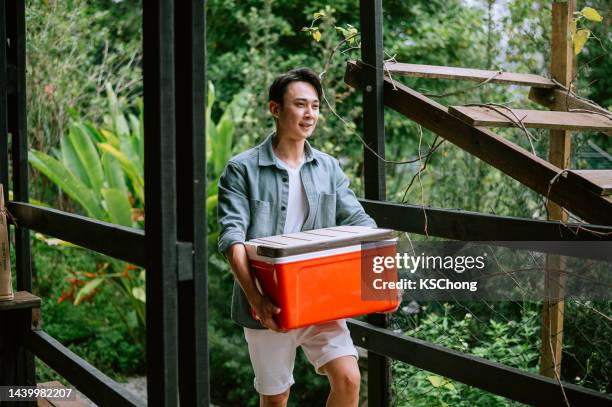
(267, 157)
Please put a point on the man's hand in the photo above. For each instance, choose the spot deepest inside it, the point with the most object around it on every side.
(264, 308)
(265, 311)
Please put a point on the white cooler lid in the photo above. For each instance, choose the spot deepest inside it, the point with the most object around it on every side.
(316, 240)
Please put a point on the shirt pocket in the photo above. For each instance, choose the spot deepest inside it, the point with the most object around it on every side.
(326, 211)
(261, 223)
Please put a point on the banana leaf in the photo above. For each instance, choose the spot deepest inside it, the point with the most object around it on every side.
(115, 177)
(130, 169)
(140, 133)
(71, 160)
(70, 184)
(211, 204)
(117, 117)
(117, 206)
(93, 132)
(88, 155)
(109, 137)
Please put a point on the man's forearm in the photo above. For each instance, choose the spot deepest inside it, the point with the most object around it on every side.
(239, 262)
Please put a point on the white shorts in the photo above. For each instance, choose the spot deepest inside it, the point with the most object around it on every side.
(273, 353)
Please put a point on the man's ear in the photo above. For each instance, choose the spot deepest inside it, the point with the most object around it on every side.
(274, 108)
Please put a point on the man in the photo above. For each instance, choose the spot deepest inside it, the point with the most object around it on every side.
(284, 186)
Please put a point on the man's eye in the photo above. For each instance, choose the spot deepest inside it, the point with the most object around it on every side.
(316, 107)
(300, 105)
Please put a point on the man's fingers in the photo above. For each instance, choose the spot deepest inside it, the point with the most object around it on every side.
(271, 323)
(273, 308)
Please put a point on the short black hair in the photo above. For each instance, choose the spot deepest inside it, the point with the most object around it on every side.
(280, 84)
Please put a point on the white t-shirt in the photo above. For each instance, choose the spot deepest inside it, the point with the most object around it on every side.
(297, 204)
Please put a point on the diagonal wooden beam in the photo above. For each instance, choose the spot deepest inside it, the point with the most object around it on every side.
(504, 155)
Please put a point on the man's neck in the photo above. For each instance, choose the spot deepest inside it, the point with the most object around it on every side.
(289, 150)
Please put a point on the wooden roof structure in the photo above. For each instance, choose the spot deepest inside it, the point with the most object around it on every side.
(585, 194)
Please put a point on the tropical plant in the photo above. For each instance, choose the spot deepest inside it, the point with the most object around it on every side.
(100, 169)
(73, 49)
(219, 148)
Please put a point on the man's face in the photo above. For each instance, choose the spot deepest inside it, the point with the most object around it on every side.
(298, 116)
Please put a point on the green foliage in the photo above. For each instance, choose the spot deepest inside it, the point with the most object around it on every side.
(74, 47)
(219, 149)
(93, 329)
(220, 135)
(507, 342)
(100, 169)
(586, 344)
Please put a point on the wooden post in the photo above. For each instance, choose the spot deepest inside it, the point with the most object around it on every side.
(559, 155)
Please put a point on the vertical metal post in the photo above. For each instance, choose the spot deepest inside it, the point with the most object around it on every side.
(374, 169)
(190, 58)
(160, 208)
(17, 126)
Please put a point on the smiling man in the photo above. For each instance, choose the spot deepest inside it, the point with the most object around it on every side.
(283, 186)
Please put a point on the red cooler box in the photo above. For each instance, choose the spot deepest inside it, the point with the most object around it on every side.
(315, 276)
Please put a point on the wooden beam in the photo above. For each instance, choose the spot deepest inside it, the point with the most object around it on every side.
(562, 101)
(22, 299)
(74, 401)
(468, 74)
(562, 55)
(540, 119)
(598, 181)
(506, 156)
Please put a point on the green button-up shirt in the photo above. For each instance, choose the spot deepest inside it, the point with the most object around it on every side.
(253, 194)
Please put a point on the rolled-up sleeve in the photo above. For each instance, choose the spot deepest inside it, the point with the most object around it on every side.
(233, 210)
(348, 209)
